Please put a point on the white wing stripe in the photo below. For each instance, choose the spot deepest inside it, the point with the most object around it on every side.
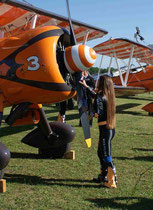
(19, 21)
(4, 8)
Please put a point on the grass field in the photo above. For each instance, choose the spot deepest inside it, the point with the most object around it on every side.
(42, 184)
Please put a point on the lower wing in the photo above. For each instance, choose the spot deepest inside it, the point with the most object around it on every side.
(127, 91)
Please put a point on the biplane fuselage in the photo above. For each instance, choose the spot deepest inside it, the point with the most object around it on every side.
(29, 70)
(143, 78)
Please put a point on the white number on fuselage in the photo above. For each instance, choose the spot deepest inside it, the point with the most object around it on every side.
(33, 63)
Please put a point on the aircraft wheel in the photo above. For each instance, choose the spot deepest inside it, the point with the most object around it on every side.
(1, 174)
(54, 153)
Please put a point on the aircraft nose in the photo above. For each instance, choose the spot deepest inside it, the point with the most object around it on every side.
(79, 58)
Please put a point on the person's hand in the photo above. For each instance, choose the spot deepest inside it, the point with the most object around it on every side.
(83, 82)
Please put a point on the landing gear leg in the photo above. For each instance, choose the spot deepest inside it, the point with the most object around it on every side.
(55, 152)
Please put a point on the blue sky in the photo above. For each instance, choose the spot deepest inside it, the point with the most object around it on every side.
(118, 17)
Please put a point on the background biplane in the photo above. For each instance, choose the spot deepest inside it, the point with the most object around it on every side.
(37, 50)
(130, 80)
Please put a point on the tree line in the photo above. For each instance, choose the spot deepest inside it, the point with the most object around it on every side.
(94, 70)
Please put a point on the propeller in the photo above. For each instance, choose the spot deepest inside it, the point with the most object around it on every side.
(79, 58)
(72, 35)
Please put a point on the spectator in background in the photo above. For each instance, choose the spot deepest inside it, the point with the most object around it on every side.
(68, 104)
(90, 82)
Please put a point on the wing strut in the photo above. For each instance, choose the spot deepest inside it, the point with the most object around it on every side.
(124, 82)
(121, 77)
(129, 64)
(34, 21)
(86, 37)
(1, 34)
(140, 65)
(110, 64)
(99, 70)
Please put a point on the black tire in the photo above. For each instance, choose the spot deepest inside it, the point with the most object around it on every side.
(37, 138)
(54, 153)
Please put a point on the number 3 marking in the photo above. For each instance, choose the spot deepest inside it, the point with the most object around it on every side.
(34, 63)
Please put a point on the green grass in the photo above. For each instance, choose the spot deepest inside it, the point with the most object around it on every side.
(34, 183)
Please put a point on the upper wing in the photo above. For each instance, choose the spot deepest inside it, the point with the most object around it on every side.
(16, 17)
(121, 48)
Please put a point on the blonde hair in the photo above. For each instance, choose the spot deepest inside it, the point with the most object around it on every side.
(105, 85)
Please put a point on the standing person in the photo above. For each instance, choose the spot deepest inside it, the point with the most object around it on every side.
(62, 112)
(90, 82)
(105, 108)
(63, 105)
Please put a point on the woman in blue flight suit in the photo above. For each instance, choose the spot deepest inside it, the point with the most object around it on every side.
(105, 108)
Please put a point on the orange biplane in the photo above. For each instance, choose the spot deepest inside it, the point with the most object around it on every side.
(128, 80)
(37, 50)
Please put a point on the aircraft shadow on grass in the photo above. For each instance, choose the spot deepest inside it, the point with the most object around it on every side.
(116, 202)
(136, 98)
(139, 158)
(123, 203)
(47, 111)
(36, 180)
(143, 149)
(19, 155)
(6, 131)
(120, 109)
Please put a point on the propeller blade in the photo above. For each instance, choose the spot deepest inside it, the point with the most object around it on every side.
(86, 127)
(72, 35)
(80, 96)
(83, 110)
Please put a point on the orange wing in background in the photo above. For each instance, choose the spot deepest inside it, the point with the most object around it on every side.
(148, 108)
(121, 48)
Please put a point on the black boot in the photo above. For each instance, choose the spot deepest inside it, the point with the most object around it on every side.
(102, 177)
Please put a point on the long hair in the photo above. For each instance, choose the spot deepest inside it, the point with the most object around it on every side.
(105, 85)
